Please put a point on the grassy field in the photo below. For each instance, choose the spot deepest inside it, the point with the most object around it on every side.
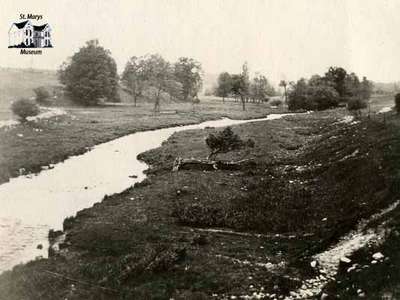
(158, 239)
(35, 144)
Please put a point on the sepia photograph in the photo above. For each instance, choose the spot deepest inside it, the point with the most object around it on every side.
(199, 149)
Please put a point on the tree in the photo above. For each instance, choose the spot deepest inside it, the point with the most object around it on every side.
(284, 84)
(24, 108)
(224, 87)
(241, 85)
(297, 97)
(366, 87)
(90, 75)
(134, 77)
(260, 88)
(337, 76)
(160, 77)
(187, 72)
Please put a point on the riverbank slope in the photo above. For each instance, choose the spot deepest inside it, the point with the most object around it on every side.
(218, 234)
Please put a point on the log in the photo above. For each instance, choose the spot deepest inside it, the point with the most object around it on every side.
(210, 165)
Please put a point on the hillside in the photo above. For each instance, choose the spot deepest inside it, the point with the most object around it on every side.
(15, 83)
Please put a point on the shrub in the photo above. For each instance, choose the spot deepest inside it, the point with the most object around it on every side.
(42, 95)
(24, 108)
(224, 141)
(276, 102)
(397, 103)
(355, 105)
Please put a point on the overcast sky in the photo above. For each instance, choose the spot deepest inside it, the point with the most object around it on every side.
(280, 38)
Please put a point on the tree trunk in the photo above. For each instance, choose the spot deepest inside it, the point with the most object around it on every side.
(243, 103)
(198, 164)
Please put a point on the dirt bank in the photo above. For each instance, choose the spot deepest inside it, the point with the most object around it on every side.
(222, 234)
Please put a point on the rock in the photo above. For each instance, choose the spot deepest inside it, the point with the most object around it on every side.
(313, 263)
(374, 262)
(378, 256)
(345, 260)
(40, 247)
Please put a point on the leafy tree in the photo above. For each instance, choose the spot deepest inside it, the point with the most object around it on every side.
(225, 141)
(337, 76)
(160, 78)
(241, 85)
(366, 87)
(42, 95)
(24, 108)
(90, 75)
(224, 87)
(134, 77)
(187, 72)
(260, 88)
(297, 97)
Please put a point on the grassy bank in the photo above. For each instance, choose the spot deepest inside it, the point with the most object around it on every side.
(27, 148)
(217, 234)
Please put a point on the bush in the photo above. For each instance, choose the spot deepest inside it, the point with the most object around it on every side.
(276, 102)
(397, 103)
(224, 141)
(42, 95)
(355, 105)
(24, 108)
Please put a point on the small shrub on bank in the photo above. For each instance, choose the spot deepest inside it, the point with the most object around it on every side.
(42, 95)
(24, 108)
(225, 141)
(397, 103)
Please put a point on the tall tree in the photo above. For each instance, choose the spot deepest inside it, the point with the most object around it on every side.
(90, 75)
(284, 84)
(337, 76)
(224, 87)
(366, 87)
(241, 84)
(160, 77)
(187, 72)
(134, 77)
(260, 88)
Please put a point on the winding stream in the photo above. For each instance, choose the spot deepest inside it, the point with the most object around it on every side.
(33, 204)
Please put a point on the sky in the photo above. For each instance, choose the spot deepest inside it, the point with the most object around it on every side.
(282, 39)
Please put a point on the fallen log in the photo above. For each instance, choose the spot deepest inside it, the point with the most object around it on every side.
(209, 165)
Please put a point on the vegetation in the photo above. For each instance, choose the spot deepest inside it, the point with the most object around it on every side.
(24, 108)
(187, 72)
(42, 95)
(258, 89)
(323, 92)
(225, 141)
(276, 102)
(397, 103)
(355, 105)
(90, 76)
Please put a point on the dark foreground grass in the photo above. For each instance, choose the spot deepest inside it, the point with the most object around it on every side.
(217, 234)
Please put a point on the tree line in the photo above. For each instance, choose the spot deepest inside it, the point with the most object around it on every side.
(240, 86)
(336, 86)
(90, 76)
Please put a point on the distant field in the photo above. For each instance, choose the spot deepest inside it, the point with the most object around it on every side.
(15, 83)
